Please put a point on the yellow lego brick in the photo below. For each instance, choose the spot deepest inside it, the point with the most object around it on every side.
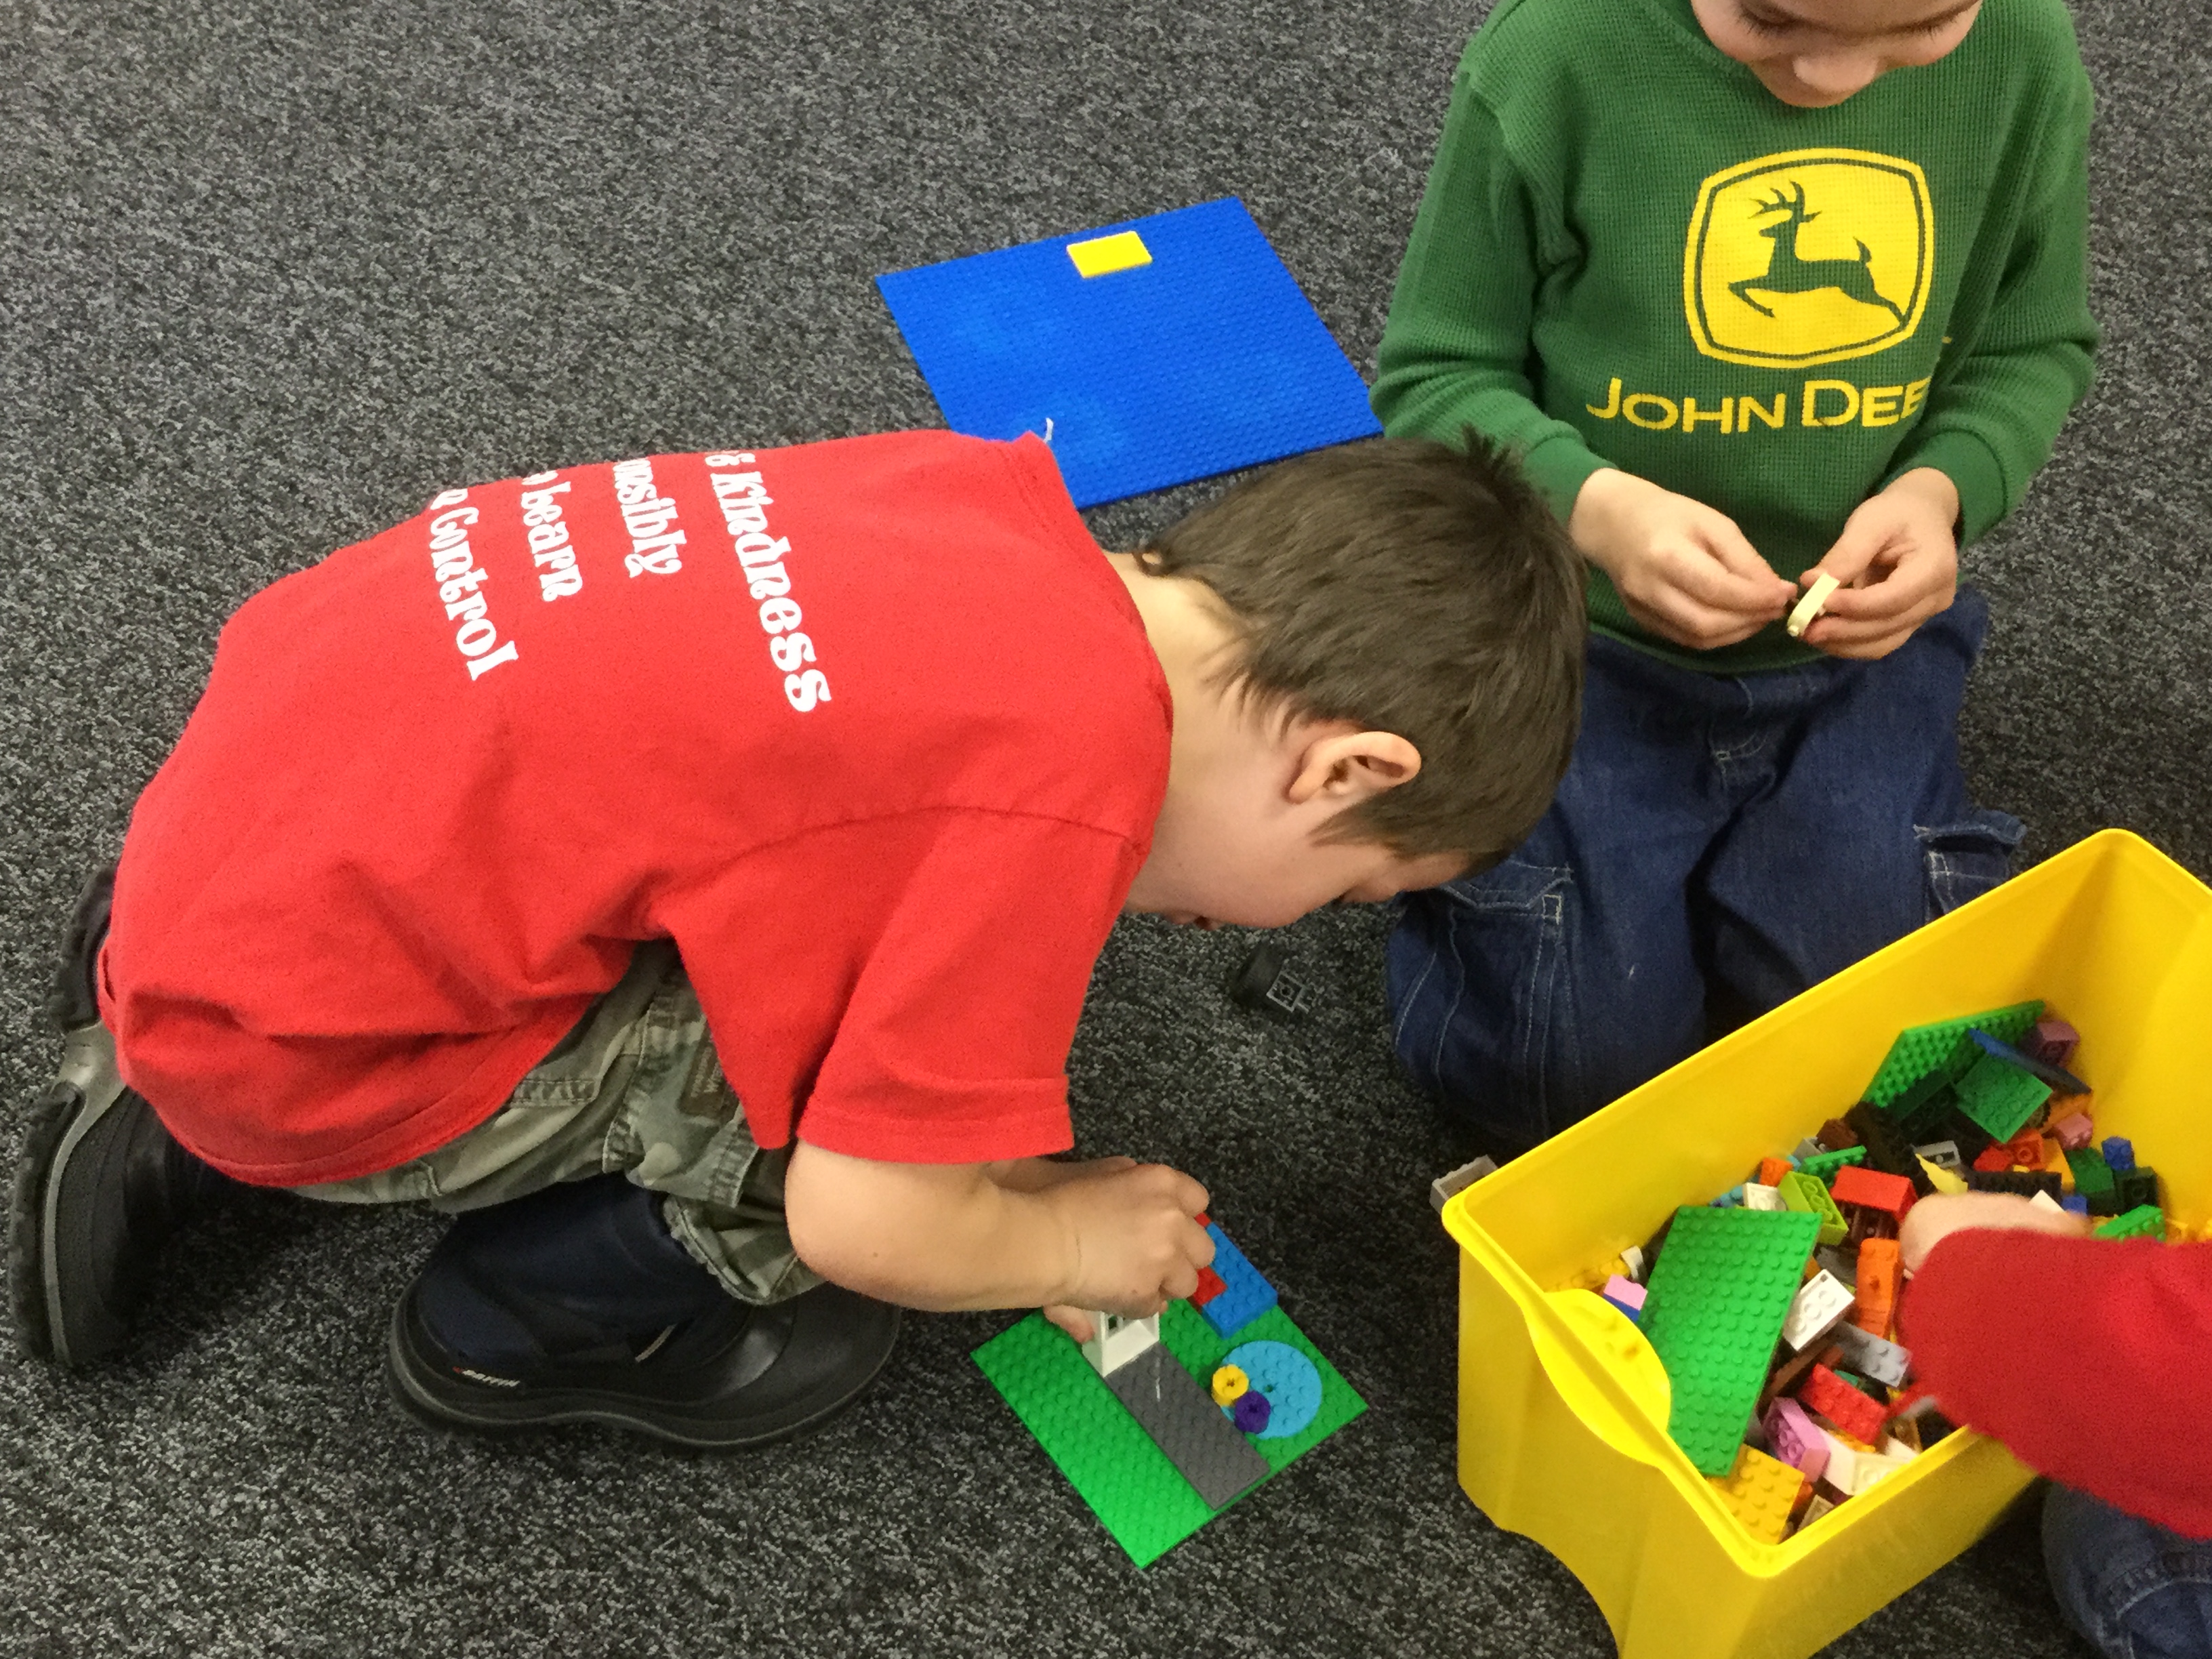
(1761, 1491)
(2054, 1160)
(1102, 256)
(1946, 1180)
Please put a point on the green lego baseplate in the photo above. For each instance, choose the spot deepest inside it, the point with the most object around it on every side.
(1105, 1453)
(2000, 1097)
(2144, 1221)
(1714, 1312)
(1919, 1049)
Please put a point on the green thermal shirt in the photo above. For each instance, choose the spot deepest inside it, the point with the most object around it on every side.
(1630, 251)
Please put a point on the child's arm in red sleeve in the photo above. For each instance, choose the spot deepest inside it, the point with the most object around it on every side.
(2091, 1359)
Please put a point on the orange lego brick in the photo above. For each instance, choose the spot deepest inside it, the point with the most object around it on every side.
(1880, 1269)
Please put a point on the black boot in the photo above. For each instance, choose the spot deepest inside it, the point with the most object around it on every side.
(577, 1305)
(101, 1184)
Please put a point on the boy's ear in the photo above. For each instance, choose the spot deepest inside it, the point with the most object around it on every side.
(1343, 767)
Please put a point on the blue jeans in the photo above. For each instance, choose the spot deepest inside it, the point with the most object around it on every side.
(2135, 1589)
(1736, 836)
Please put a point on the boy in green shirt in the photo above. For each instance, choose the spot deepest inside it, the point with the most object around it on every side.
(1764, 291)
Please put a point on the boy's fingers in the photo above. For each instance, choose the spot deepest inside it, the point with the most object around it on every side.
(1865, 535)
(1076, 1322)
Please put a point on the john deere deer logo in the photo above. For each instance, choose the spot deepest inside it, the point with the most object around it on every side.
(1808, 258)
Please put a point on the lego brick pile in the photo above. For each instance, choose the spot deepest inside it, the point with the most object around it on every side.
(1774, 1307)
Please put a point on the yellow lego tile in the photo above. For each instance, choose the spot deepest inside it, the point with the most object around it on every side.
(1761, 1491)
(1945, 1181)
(1102, 256)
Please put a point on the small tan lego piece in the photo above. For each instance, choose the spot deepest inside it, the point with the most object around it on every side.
(1809, 607)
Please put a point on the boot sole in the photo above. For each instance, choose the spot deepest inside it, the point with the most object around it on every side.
(63, 1116)
(422, 1388)
(27, 1256)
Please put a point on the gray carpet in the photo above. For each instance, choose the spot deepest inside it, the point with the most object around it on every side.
(272, 272)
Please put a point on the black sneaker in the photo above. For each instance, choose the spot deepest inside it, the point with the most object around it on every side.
(101, 1185)
(576, 1305)
(732, 1377)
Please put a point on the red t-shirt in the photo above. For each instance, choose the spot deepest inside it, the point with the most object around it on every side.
(2091, 1358)
(869, 728)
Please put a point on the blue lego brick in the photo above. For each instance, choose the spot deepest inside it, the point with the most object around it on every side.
(1203, 359)
(1245, 1294)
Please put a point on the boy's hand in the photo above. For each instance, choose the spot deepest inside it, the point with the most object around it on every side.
(1135, 1241)
(1684, 571)
(1899, 564)
(1934, 1220)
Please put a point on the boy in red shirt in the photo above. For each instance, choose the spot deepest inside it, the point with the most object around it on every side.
(2092, 1360)
(689, 872)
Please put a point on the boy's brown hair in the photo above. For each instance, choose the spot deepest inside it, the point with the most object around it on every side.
(1412, 588)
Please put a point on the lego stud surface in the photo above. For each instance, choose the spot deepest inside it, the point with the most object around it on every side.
(1109, 1460)
(1716, 1301)
(1204, 358)
(1922, 1049)
(1245, 1294)
(1287, 1378)
(1205, 1448)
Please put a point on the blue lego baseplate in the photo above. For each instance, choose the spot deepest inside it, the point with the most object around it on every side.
(1245, 1294)
(1205, 358)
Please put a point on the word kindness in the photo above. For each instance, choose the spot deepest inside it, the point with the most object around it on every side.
(1819, 402)
(745, 501)
(453, 565)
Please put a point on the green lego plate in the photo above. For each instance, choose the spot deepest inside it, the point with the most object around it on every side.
(1920, 1049)
(1107, 1458)
(1717, 1298)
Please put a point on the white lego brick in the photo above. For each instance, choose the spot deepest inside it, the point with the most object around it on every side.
(1115, 1340)
(1456, 1180)
(1822, 1301)
(1756, 1197)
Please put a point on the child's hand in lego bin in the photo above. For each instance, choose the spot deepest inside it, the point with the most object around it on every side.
(1683, 570)
(1134, 1240)
(1934, 1219)
(1899, 564)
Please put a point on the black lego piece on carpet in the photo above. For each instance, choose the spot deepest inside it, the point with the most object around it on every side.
(272, 272)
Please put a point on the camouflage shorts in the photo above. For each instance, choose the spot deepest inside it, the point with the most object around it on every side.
(635, 1089)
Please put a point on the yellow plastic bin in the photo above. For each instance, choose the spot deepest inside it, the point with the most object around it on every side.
(1563, 1404)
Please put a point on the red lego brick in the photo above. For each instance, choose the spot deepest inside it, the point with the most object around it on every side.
(2026, 1149)
(1842, 1404)
(1871, 1189)
(1210, 1284)
(1994, 1159)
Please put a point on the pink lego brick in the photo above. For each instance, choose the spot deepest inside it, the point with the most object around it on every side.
(2075, 1132)
(1624, 1294)
(1796, 1439)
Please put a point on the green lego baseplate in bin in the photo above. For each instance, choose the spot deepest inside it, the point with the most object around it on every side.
(2000, 1097)
(1105, 1453)
(1714, 1312)
(1919, 1049)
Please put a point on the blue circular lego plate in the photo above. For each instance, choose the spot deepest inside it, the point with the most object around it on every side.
(1289, 1380)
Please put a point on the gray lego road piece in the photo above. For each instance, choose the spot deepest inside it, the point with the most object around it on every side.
(1184, 1422)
